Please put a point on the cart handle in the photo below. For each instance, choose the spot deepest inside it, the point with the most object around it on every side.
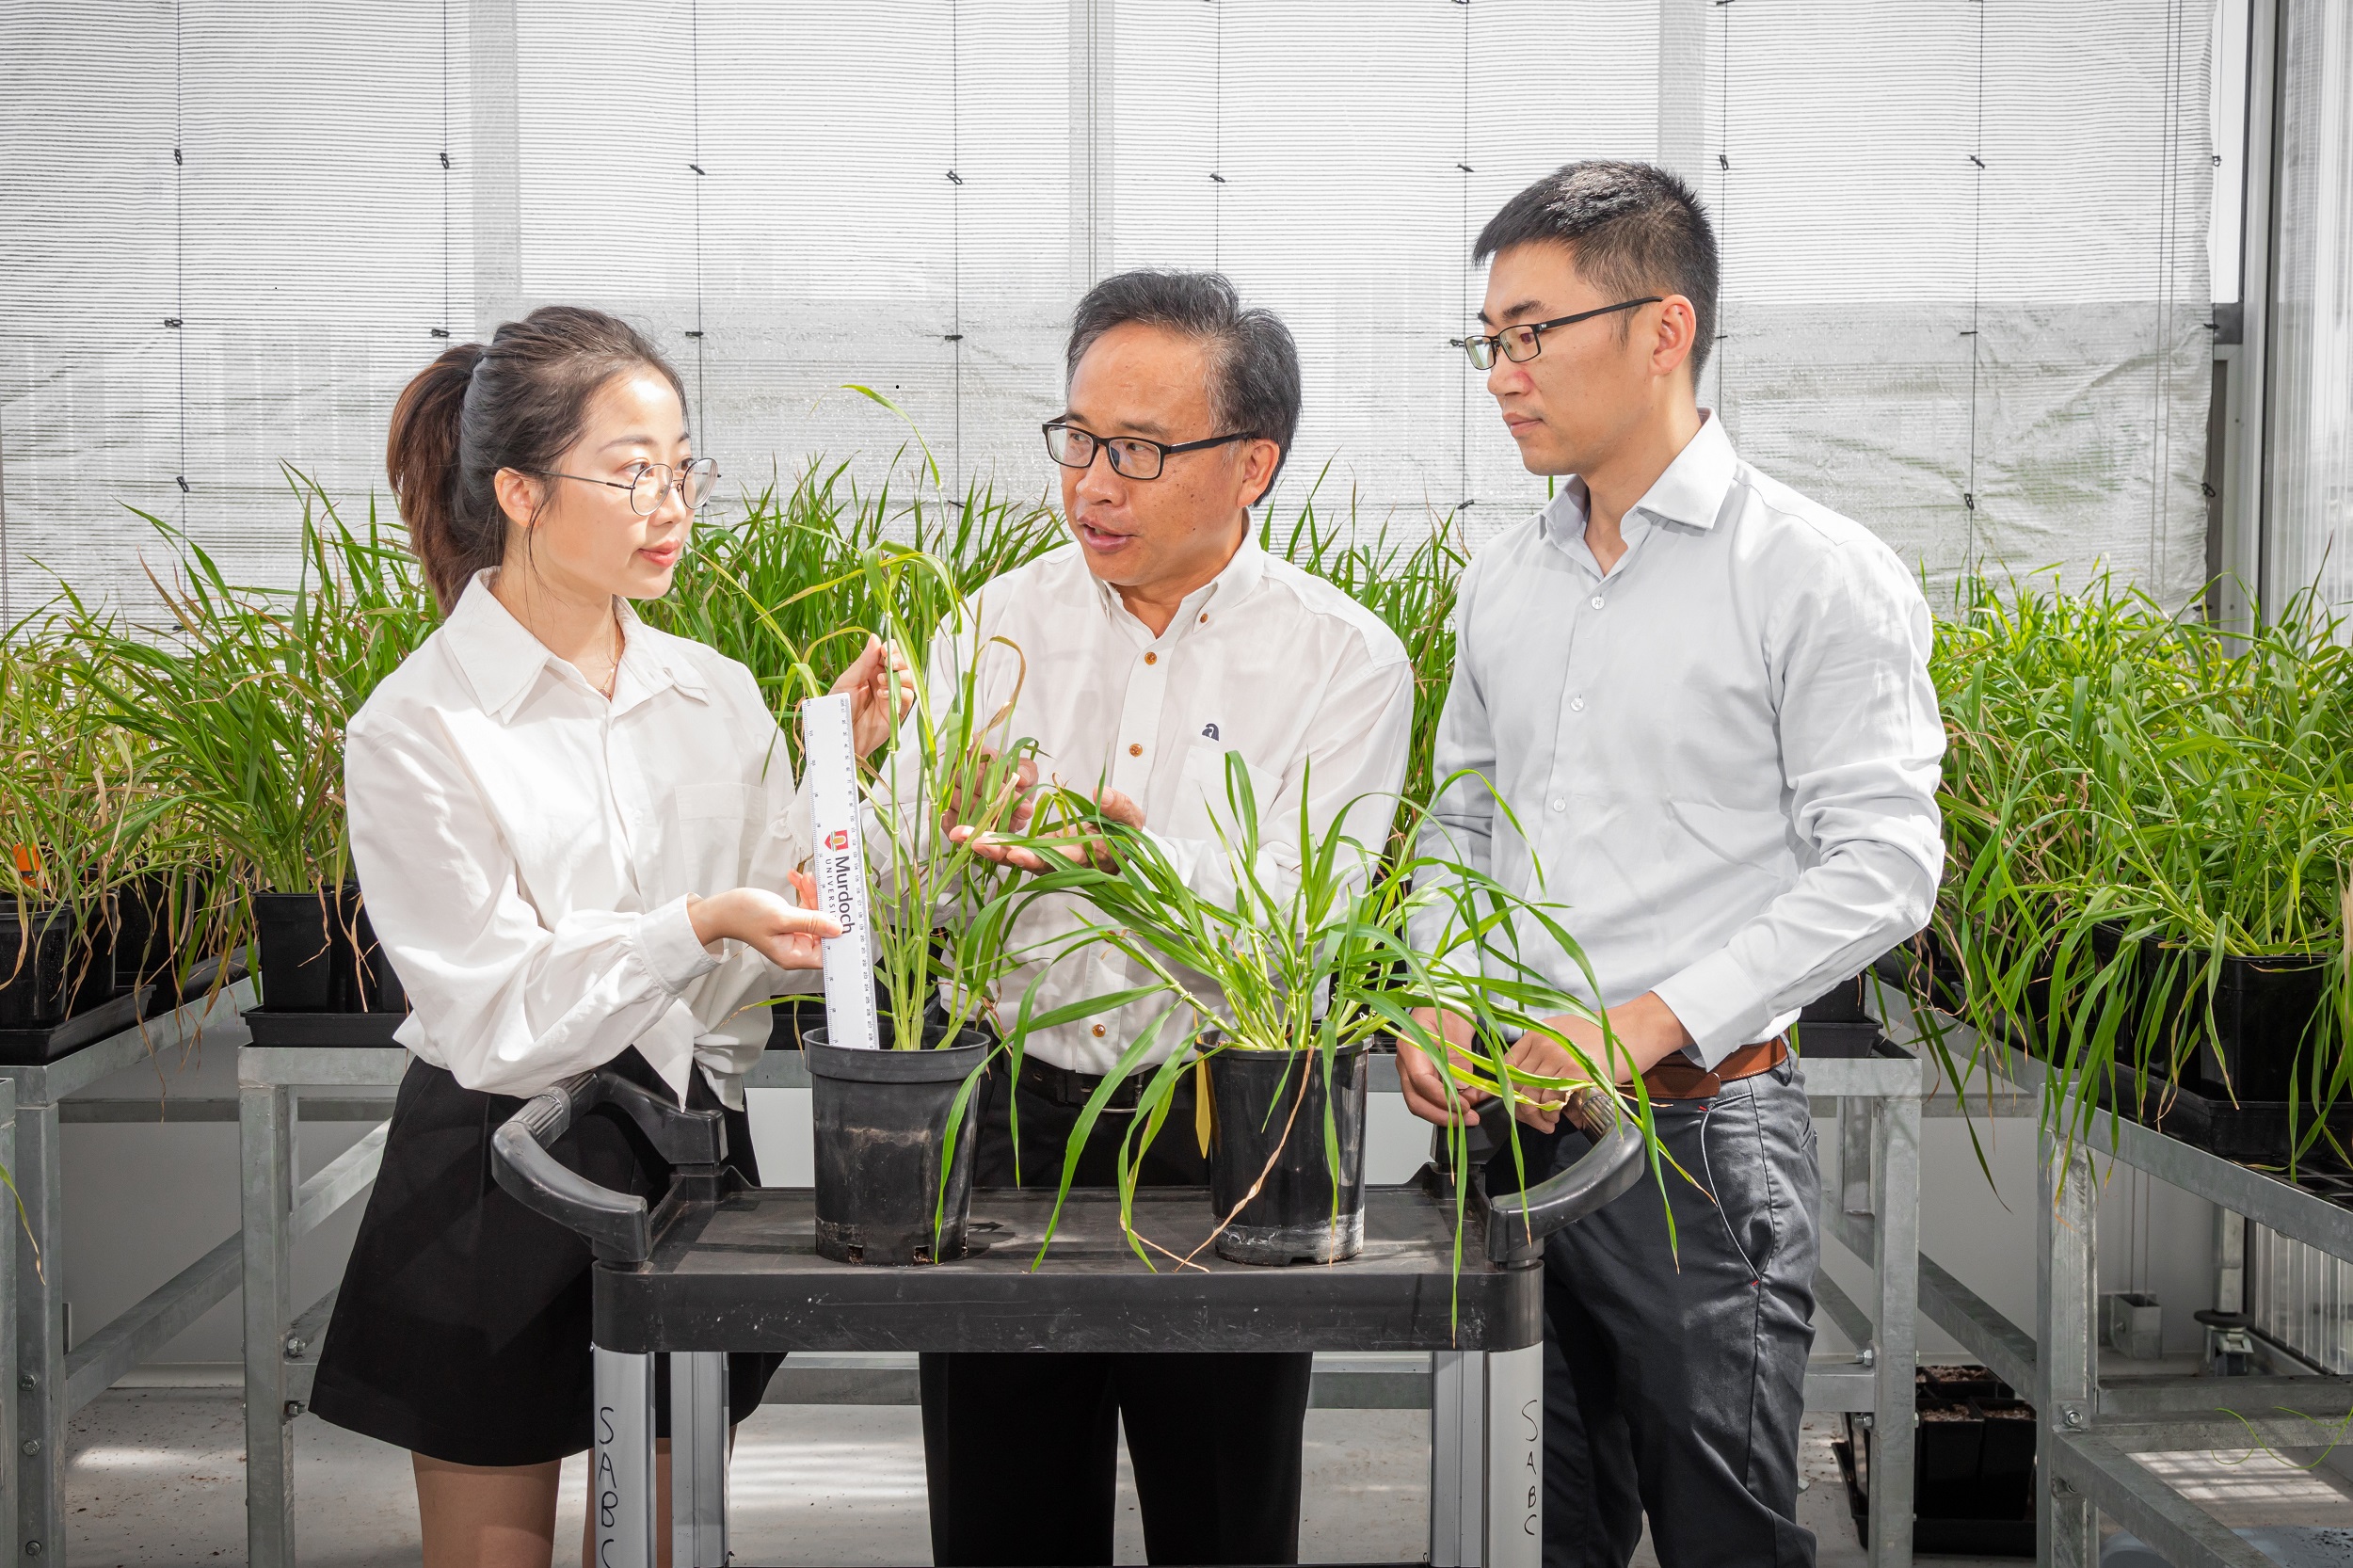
(1518, 1223)
(615, 1224)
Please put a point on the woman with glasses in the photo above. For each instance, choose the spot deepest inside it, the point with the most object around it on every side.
(578, 840)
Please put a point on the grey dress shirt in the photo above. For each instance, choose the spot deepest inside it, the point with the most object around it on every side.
(1722, 753)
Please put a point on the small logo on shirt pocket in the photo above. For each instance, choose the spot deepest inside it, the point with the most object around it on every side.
(1210, 730)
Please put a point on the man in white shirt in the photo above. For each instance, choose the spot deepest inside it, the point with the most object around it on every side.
(1705, 698)
(1161, 640)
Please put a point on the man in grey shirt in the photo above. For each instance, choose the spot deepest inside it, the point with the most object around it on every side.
(1706, 700)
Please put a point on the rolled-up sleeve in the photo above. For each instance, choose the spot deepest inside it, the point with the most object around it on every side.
(511, 1005)
(1861, 743)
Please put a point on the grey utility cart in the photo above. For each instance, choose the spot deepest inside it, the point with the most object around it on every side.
(716, 1266)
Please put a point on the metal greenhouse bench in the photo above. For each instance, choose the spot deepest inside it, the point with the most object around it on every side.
(718, 1266)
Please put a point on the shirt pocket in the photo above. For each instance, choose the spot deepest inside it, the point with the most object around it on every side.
(1206, 801)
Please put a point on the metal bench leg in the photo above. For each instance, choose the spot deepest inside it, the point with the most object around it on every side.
(1516, 1458)
(265, 1151)
(621, 1495)
(1457, 1488)
(41, 1411)
(1895, 1184)
(2066, 1524)
(1487, 1458)
(8, 1278)
(698, 1459)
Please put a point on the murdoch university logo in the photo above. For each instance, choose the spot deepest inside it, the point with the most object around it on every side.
(838, 839)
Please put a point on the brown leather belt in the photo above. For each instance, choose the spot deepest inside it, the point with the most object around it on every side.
(1678, 1078)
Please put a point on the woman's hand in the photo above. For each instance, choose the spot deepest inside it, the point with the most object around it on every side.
(881, 689)
(786, 936)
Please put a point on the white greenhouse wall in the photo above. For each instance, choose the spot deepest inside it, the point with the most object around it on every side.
(1965, 245)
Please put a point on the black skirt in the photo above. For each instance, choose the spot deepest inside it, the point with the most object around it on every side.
(462, 1331)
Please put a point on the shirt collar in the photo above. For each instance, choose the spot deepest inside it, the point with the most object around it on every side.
(1691, 490)
(503, 661)
(1233, 584)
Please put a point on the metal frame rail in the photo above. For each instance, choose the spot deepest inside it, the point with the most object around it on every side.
(50, 1382)
(2089, 1431)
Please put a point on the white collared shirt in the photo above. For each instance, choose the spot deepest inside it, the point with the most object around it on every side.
(526, 847)
(1308, 686)
(1723, 752)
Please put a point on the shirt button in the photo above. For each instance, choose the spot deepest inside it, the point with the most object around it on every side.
(1576, 705)
(1205, 619)
(1560, 803)
(1135, 749)
(1098, 1032)
(1151, 658)
(1597, 601)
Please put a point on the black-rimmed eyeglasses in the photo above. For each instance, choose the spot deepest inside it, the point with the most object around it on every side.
(648, 484)
(1525, 341)
(1130, 456)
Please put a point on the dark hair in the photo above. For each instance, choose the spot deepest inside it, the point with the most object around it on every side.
(1634, 228)
(518, 403)
(1253, 365)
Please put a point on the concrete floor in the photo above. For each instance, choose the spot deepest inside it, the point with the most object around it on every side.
(156, 1476)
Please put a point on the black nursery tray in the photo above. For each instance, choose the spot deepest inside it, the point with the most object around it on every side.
(272, 1027)
(24, 1048)
(2251, 1133)
(1932, 1537)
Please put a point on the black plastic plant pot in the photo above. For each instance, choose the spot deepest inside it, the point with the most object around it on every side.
(35, 965)
(1948, 1449)
(2269, 1018)
(880, 1120)
(319, 954)
(306, 950)
(146, 943)
(1269, 1174)
(380, 986)
(2266, 1012)
(2006, 1473)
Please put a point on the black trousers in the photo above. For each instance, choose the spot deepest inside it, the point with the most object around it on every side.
(1021, 1451)
(1675, 1373)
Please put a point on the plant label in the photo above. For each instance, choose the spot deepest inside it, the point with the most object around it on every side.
(840, 871)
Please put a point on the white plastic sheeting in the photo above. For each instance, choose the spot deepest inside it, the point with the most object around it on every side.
(1966, 295)
(2309, 497)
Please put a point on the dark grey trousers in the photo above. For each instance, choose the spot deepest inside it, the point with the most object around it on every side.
(1675, 1371)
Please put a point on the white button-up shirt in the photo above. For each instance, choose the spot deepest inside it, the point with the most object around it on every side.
(526, 847)
(1312, 689)
(1723, 752)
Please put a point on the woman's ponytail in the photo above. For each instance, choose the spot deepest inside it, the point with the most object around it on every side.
(421, 457)
(519, 402)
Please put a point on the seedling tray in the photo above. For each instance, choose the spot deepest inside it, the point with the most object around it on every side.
(2251, 1132)
(273, 1027)
(738, 1271)
(22, 1048)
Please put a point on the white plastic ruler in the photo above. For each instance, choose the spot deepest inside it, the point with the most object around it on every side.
(830, 767)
